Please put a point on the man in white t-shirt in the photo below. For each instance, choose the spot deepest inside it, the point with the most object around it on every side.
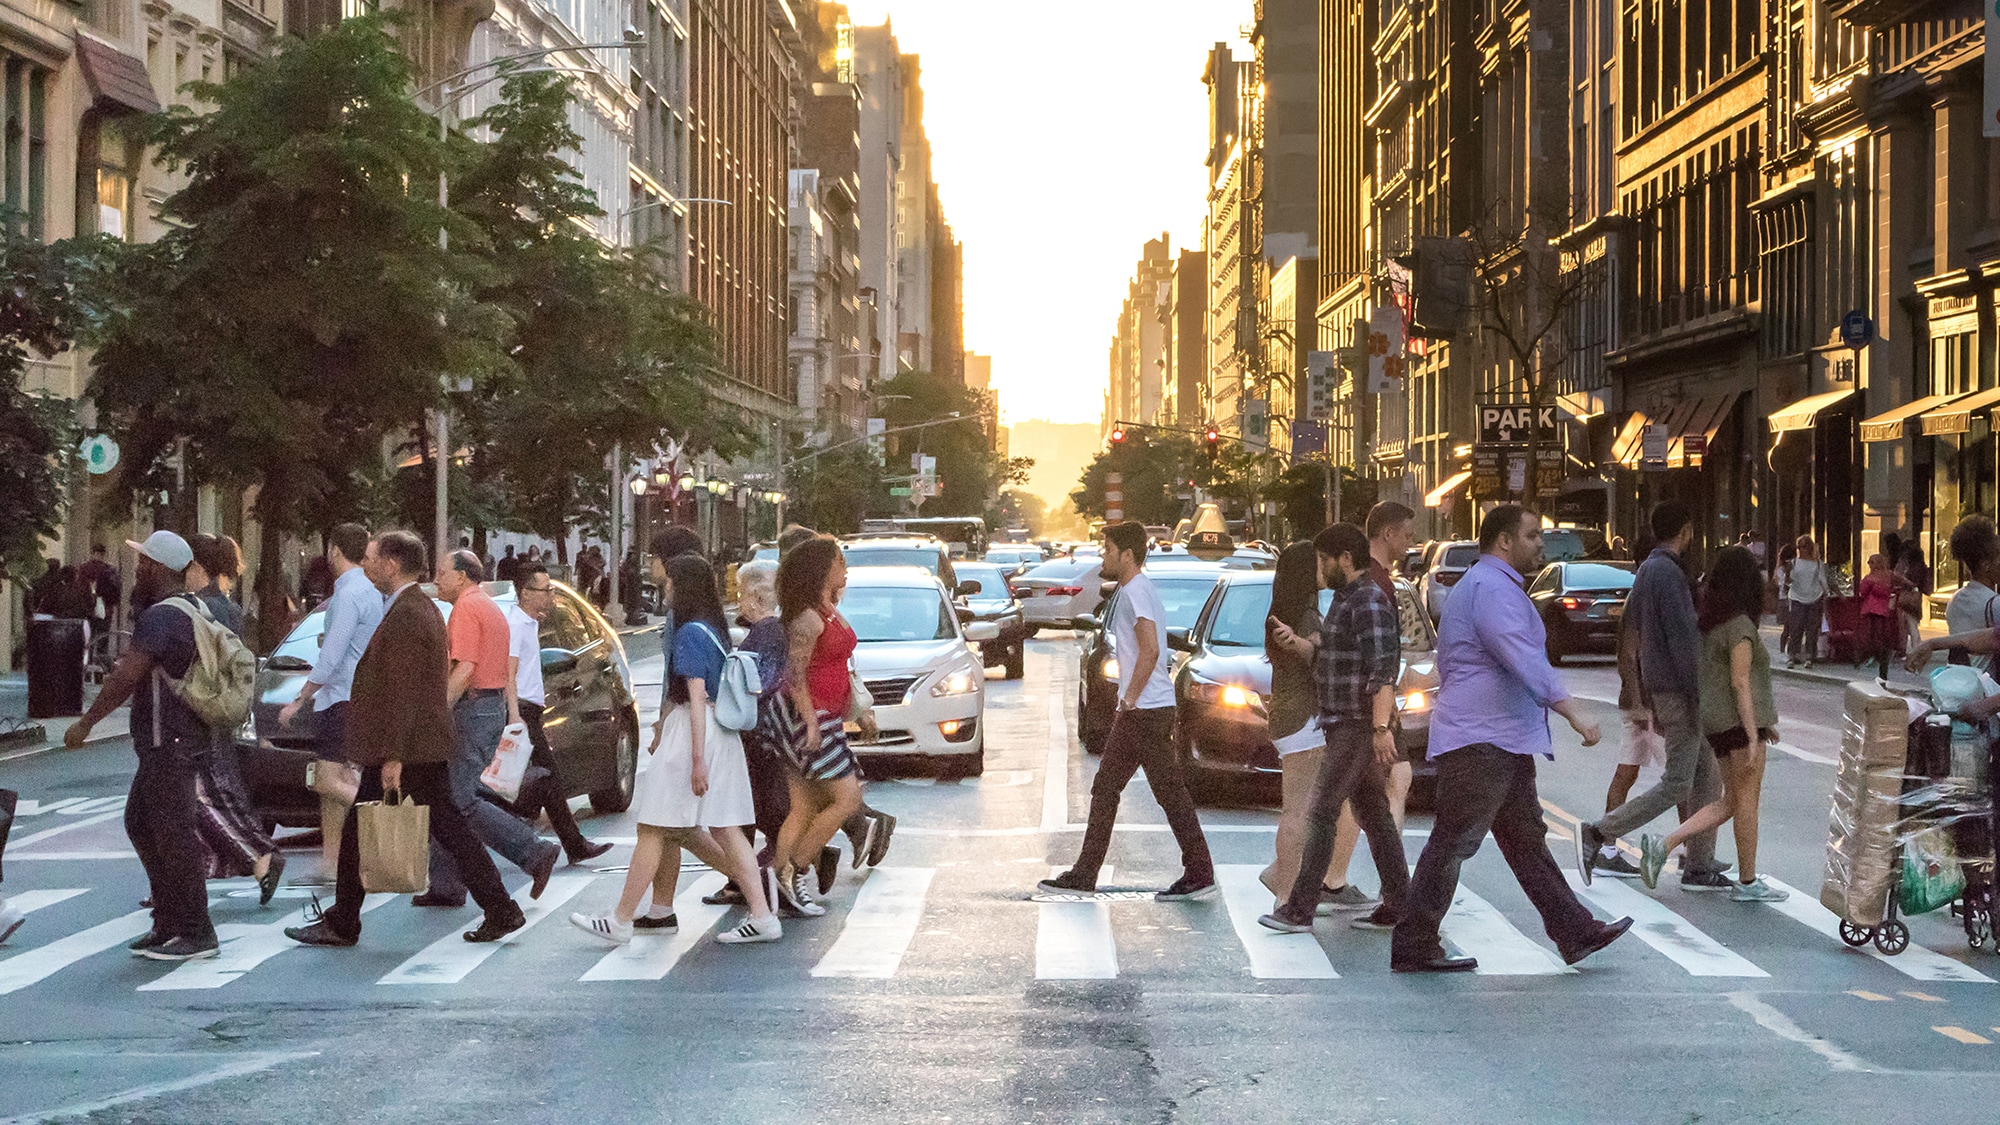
(1141, 734)
(543, 790)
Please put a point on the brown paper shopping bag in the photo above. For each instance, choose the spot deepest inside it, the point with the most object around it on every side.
(395, 845)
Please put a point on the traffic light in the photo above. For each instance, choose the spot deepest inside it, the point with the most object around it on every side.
(1118, 436)
(1214, 440)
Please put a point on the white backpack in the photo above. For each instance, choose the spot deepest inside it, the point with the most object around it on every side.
(735, 698)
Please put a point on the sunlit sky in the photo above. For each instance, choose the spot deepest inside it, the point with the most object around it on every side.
(1063, 135)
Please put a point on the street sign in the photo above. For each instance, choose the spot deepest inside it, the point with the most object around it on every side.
(1114, 497)
(1509, 423)
(877, 444)
(1319, 385)
(99, 453)
(900, 490)
(1856, 329)
(1653, 446)
(1694, 447)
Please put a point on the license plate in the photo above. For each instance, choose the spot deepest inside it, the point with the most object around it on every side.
(1616, 610)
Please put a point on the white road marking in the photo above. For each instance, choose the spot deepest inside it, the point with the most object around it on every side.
(248, 1065)
(1669, 933)
(27, 902)
(880, 925)
(23, 969)
(29, 841)
(1784, 1027)
(1072, 939)
(1273, 956)
(73, 857)
(1055, 773)
(653, 956)
(448, 959)
(1916, 962)
(1476, 928)
(244, 947)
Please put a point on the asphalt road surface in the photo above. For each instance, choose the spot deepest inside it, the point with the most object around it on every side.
(935, 991)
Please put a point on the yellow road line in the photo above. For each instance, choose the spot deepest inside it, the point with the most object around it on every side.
(1963, 1036)
(1875, 996)
(1924, 996)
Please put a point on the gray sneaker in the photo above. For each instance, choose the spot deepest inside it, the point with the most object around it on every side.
(1346, 899)
(1706, 881)
(1758, 890)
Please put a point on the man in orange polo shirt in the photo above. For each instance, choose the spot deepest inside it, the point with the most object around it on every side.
(477, 692)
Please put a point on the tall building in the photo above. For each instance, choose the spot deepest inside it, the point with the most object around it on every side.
(1349, 263)
(1183, 317)
(1138, 355)
(877, 72)
(832, 338)
(656, 211)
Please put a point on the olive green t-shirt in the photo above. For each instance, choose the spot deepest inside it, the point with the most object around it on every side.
(1718, 698)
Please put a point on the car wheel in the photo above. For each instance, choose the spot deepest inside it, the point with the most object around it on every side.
(1090, 734)
(1017, 660)
(617, 797)
(1554, 644)
(1201, 787)
(958, 766)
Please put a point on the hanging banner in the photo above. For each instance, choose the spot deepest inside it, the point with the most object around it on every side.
(1385, 349)
(1308, 438)
(1319, 385)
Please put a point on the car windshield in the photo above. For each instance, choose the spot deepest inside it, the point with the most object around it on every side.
(1239, 621)
(1561, 544)
(1461, 555)
(1183, 598)
(898, 613)
(926, 557)
(303, 641)
(1596, 576)
(991, 583)
(1060, 568)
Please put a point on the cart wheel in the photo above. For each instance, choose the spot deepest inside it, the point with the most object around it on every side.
(1854, 935)
(1892, 937)
(1978, 927)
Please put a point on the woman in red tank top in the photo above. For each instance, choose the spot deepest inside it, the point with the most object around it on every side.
(826, 788)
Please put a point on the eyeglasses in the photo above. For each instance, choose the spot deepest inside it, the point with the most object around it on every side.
(536, 589)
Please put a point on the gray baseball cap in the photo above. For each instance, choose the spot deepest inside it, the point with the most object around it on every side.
(167, 549)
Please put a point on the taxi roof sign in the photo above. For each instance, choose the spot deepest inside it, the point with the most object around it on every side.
(1211, 546)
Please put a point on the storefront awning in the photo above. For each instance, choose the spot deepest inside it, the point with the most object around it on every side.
(1703, 415)
(1625, 448)
(1802, 414)
(1888, 425)
(115, 77)
(1956, 418)
(1436, 495)
(1705, 419)
(1581, 406)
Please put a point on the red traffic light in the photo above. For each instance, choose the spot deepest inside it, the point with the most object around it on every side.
(1214, 436)
(1118, 436)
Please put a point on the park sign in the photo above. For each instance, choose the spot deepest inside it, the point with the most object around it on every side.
(1509, 423)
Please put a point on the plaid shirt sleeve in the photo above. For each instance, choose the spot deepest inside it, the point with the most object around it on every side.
(1360, 651)
(1379, 637)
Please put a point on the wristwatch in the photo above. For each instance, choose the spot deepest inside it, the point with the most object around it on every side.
(1382, 728)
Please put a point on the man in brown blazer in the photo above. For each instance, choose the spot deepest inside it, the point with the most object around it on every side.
(400, 734)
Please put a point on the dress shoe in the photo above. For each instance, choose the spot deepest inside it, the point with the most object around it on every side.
(1442, 963)
(541, 868)
(588, 852)
(319, 933)
(496, 926)
(1604, 936)
(447, 902)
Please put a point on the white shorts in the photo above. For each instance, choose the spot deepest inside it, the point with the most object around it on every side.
(1308, 737)
(1644, 744)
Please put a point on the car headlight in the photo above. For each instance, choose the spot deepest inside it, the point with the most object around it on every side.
(1414, 702)
(960, 682)
(1222, 695)
(1110, 669)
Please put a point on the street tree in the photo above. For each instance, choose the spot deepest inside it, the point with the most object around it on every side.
(300, 309)
(603, 356)
(41, 309)
(968, 469)
(1156, 469)
(833, 491)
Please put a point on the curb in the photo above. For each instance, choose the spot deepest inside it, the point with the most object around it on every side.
(1804, 676)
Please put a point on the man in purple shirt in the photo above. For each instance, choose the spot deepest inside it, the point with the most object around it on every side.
(1495, 692)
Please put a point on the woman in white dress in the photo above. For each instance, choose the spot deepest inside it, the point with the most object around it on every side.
(694, 780)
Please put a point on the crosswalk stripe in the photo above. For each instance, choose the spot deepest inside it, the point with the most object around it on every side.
(880, 925)
(650, 956)
(448, 959)
(1669, 933)
(1476, 928)
(1916, 962)
(244, 947)
(1073, 939)
(23, 969)
(1273, 956)
(27, 902)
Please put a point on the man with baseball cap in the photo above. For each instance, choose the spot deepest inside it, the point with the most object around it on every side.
(166, 733)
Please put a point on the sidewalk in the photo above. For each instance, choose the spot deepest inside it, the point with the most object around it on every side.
(21, 736)
(1844, 672)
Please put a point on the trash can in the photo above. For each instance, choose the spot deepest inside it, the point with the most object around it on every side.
(55, 667)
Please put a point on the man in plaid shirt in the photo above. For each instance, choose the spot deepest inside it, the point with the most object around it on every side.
(1359, 656)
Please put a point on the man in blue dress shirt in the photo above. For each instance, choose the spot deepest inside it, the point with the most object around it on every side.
(1495, 691)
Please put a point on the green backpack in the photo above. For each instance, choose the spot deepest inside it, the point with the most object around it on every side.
(221, 680)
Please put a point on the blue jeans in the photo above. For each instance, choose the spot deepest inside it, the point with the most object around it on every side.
(479, 721)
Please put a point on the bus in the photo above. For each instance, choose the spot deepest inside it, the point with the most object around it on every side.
(965, 536)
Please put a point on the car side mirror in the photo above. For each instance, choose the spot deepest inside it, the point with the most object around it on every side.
(1089, 621)
(966, 589)
(557, 662)
(980, 631)
(287, 664)
(1178, 640)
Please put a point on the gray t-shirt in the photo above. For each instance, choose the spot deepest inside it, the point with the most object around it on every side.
(1137, 599)
(1970, 610)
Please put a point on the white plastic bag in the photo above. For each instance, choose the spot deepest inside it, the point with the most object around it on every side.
(510, 762)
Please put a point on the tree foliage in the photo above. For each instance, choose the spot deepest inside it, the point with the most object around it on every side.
(967, 467)
(1156, 469)
(834, 491)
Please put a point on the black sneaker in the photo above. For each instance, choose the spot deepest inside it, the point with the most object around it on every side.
(1381, 918)
(1706, 881)
(671, 924)
(1617, 866)
(148, 941)
(1067, 883)
(1187, 890)
(1589, 854)
(885, 827)
(182, 949)
(861, 830)
(827, 869)
(496, 926)
(729, 895)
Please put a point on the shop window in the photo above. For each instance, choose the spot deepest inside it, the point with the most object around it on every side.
(25, 151)
(107, 174)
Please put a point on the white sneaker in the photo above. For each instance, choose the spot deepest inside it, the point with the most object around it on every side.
(605, 927)
(754, 931)
(11, 917)
(1758, 891)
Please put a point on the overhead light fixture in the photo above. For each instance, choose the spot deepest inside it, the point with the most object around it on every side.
(687, 482)
(639, 486)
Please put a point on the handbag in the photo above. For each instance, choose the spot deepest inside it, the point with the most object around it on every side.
(510, 762)
(738, 688)
(860, 701)
(395, 845)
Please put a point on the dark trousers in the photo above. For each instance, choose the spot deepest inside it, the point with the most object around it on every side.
(549, 794)
(1144, 738)
(427, 783)
(1805, 630)
(1349, 772)
(8, 800)
(1482, 788)
(160, 819)
(770, 791)
(1879, 637)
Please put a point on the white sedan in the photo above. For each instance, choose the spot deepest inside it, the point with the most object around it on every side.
(927, 681)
